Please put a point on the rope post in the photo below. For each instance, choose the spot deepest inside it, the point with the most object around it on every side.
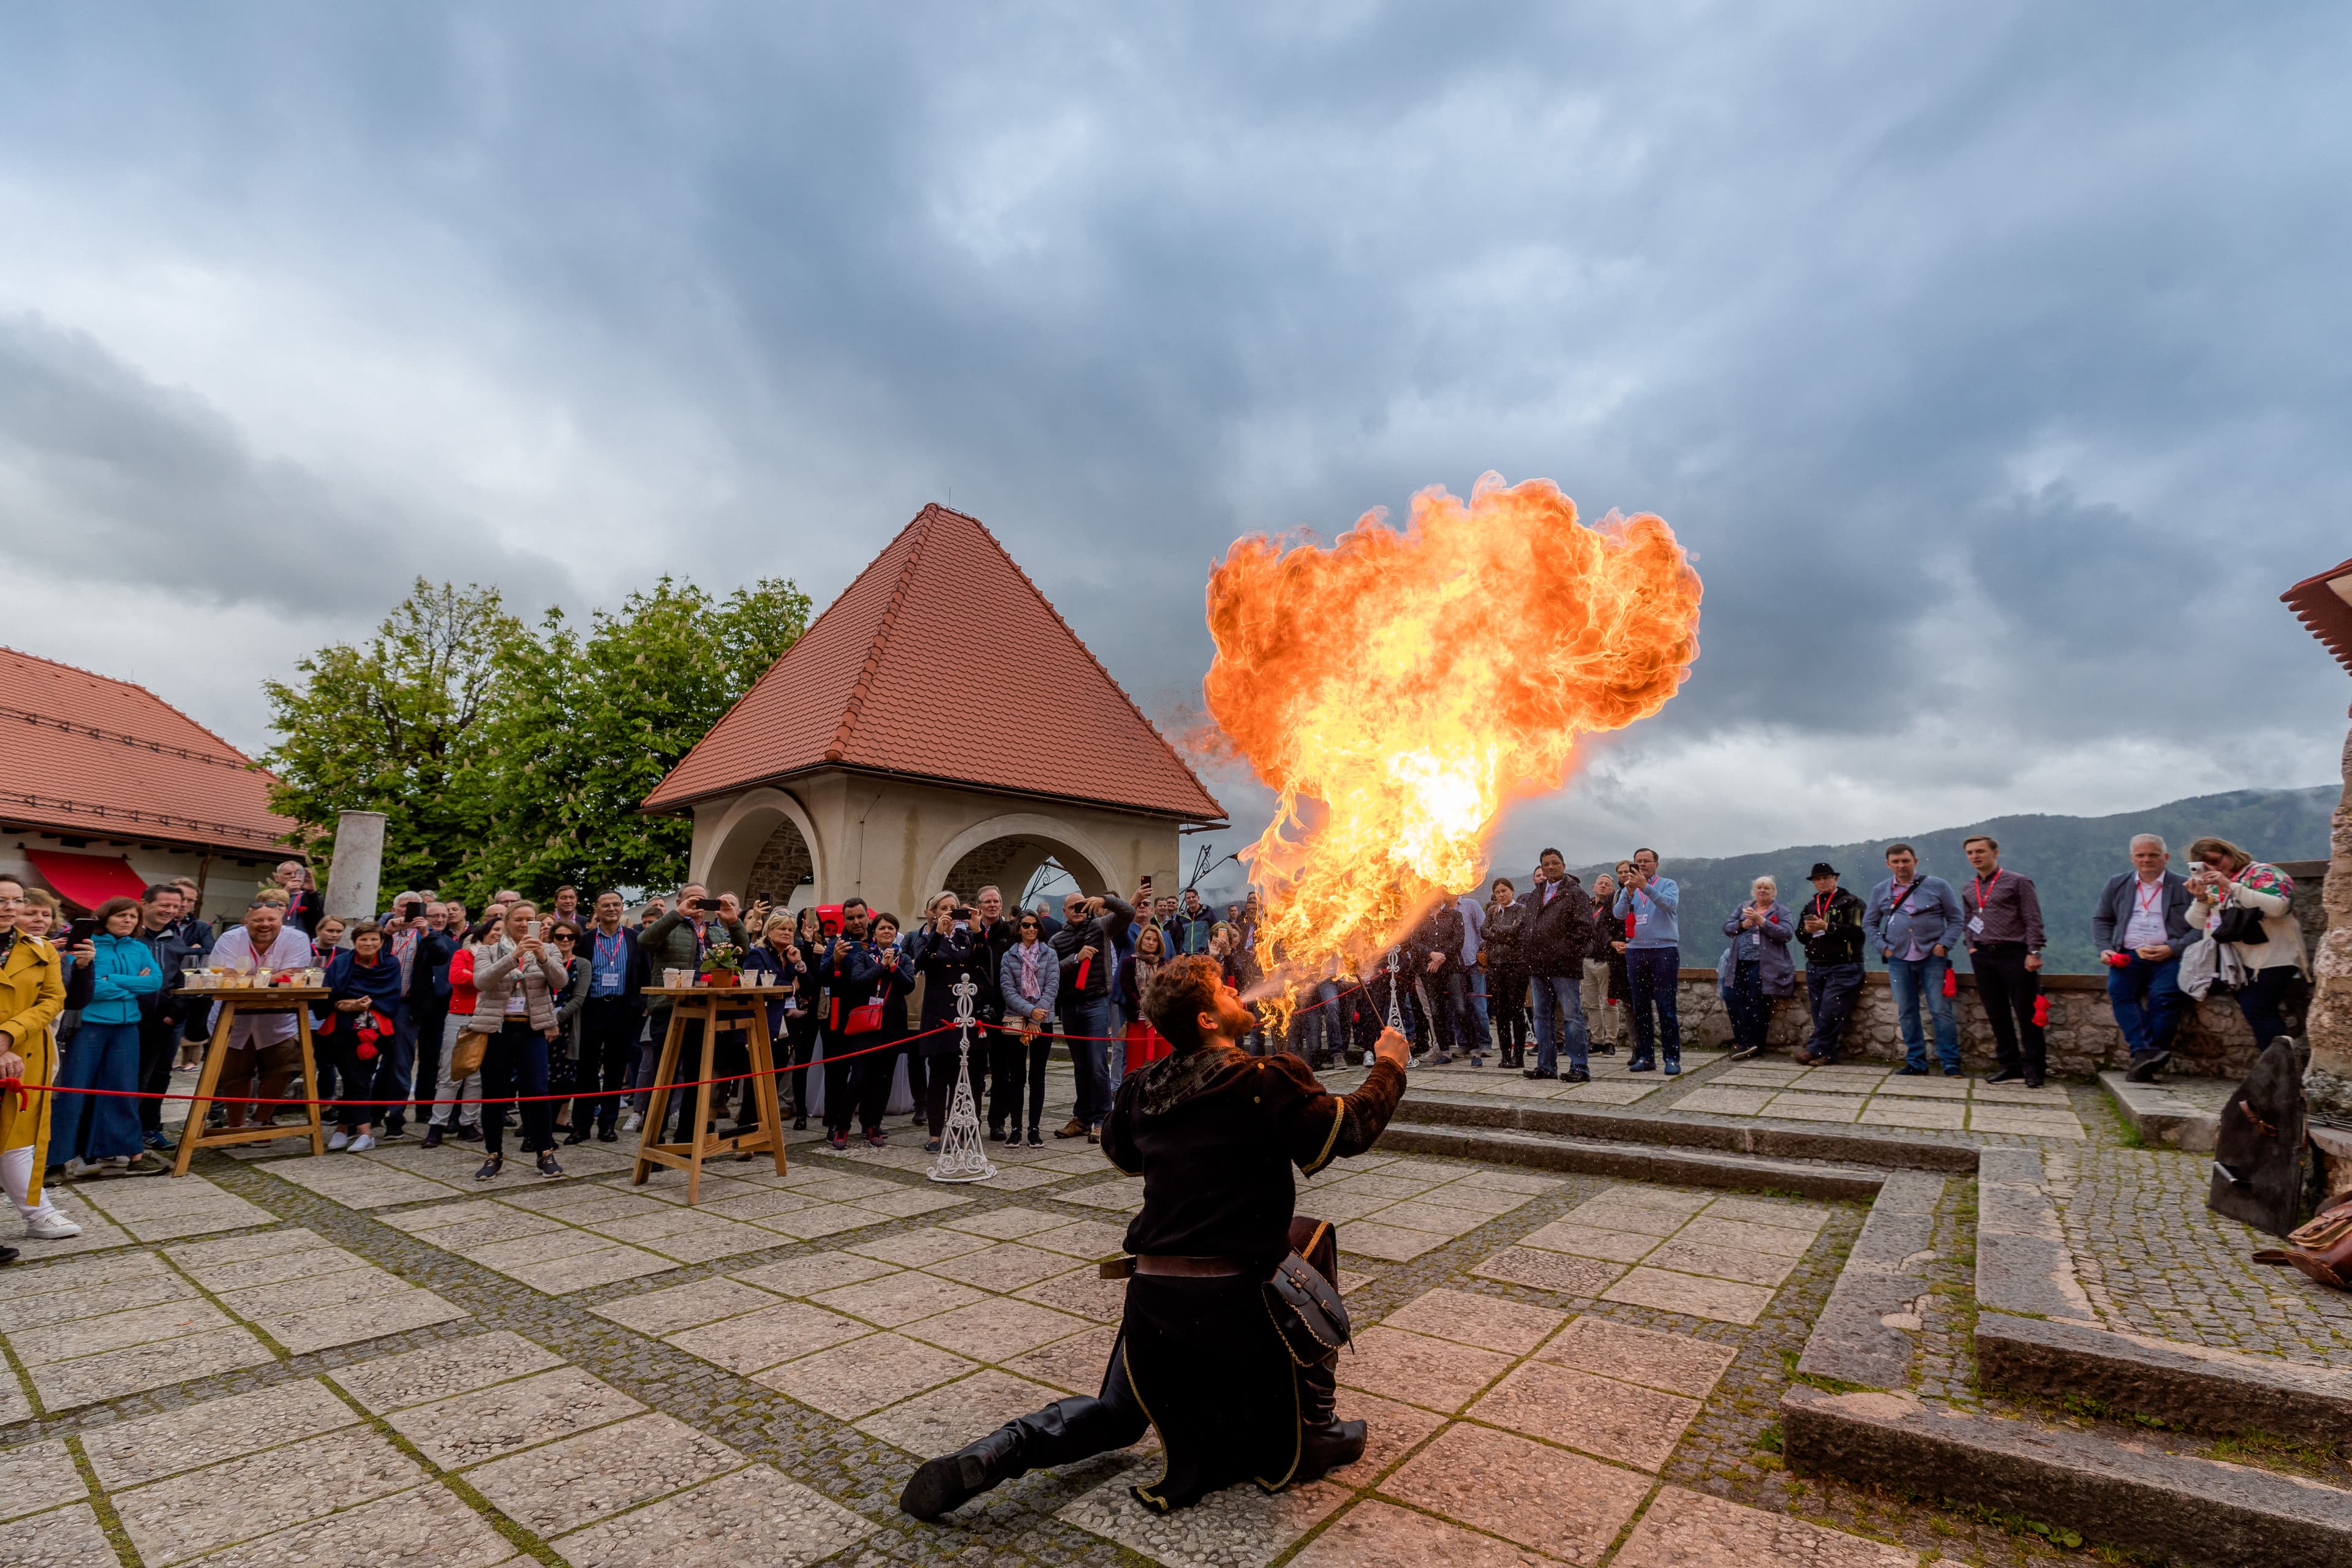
(1396, 1016)
(963, 1156)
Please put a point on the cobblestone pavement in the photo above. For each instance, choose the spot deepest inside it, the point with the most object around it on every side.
(376, 1360)
(2155, 1260)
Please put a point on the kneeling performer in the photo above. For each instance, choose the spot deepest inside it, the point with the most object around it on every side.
(1214, 1132)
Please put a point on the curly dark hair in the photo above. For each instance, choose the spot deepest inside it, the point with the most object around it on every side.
(1182, 990)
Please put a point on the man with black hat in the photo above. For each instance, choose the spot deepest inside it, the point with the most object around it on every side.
(1830, 927)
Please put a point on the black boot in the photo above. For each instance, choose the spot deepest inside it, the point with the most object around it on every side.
(953, 1479)
(1325, 1442)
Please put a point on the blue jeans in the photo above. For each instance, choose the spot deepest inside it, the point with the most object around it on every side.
(97, 1126)
(1478, 1006)
(1469, 1022)
(1910, 979)
(2148, 1002)
(1559, 1010)
(1088, 1059)
(1652, 973)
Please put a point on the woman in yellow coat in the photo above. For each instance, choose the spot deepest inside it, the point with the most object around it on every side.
(32, 993)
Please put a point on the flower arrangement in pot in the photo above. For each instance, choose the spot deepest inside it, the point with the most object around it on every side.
(722, 964)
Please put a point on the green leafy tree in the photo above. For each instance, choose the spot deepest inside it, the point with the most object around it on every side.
(394, 725)
(588, 721)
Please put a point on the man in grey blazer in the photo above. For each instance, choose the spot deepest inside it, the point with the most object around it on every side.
(2141, 925)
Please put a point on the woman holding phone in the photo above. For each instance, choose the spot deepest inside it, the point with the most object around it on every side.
(91, 1129)
(517, 980)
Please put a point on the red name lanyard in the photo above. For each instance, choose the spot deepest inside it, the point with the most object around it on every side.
(1821, 906)
(2147, 905)
(1982, 885)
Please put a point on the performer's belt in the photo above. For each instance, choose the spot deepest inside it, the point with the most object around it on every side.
(1189, 1267)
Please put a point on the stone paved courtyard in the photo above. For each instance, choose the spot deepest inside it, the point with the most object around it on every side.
(375, 1360)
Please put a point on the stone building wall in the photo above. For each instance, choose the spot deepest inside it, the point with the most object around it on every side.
(2082, 1039)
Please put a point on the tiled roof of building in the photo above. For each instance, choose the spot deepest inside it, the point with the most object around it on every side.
(2322, 605)
(888, 680)
(84, 755)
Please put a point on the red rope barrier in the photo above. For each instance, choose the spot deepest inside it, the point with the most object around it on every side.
(978, 1026)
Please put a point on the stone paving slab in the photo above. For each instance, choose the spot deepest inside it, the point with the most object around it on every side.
(576, 1481)
(1518, 1402)
(36, 1477)
(150, 1447)
(203, 1511)
(62, 1538)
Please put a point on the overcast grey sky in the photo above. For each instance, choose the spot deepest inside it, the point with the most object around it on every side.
(1990, 357)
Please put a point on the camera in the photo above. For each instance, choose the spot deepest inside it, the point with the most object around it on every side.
(962, 911)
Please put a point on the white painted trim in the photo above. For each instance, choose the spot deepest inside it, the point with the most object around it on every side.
(1021, 824)
(764, 803)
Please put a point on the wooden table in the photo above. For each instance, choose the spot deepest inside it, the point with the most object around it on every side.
(193, 1134)
(710, 1003)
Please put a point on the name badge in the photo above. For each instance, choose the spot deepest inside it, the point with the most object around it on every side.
(608, 976)
(1976, 924)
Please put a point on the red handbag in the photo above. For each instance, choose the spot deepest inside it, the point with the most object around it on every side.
(863, 1019)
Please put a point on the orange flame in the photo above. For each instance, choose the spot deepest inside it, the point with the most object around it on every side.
(1397, 689)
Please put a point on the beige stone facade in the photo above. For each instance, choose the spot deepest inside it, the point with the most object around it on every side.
(825, 837)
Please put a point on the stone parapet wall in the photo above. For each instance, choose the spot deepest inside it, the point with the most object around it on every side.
(2082, 1039)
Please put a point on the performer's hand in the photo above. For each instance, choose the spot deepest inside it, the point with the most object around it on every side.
(1392, 1047)
(11, 1065)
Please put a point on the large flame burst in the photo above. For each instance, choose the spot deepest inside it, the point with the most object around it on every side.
(1397, 689)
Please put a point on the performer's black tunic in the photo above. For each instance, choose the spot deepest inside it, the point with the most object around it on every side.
(1214, 1133)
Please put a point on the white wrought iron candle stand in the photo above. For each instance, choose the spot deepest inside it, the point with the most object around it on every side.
(963, 1156)
(1396, 1018)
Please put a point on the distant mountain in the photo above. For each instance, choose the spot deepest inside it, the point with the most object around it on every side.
(2070, 859)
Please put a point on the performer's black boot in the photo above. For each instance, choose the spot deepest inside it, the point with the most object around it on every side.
(1326, 1443)
(953, 1479)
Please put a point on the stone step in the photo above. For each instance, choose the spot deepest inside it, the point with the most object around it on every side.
(2172, 1507)
(2162, 1117)
(2036, 1331)
(1852, 1414)
(1891, 1151)
(1632, 1160)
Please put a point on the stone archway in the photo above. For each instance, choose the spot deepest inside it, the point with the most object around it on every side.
(764, 847)
(1007, 851)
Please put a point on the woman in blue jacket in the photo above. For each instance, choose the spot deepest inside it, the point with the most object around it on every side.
(85, 1129)
(364, 993)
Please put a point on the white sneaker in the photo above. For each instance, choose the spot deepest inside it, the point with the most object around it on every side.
(1369, 1058)
(75, 1167)
(50, 1226)
(341, 1140)
(364, 1142)
(632, 1121)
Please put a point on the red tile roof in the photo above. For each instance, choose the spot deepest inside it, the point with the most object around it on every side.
(87, 756)
(876, 685)
(2324, 612)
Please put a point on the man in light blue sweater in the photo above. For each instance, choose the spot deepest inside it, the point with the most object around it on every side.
(1653, 962)
(1914, 921)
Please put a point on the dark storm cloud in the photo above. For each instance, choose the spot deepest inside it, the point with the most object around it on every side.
(106, 479)
(1989, 357)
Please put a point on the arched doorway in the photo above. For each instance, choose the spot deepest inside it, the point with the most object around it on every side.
(765, 848)
(1008, 851)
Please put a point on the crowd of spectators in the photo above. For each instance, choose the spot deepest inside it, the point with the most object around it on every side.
(548, 1019)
